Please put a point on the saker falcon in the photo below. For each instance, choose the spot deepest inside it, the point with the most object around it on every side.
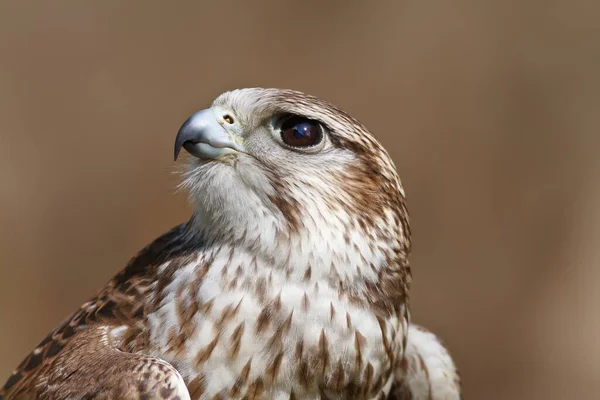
(289, 281)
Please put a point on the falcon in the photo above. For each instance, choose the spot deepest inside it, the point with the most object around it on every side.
(289, 281)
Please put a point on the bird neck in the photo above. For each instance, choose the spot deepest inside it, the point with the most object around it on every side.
(364, 263)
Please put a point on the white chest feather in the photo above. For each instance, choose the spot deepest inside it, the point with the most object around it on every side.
(234, 326)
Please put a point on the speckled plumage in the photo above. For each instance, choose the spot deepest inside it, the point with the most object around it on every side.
(289, 281)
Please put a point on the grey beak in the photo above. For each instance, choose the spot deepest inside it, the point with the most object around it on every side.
(202, 136)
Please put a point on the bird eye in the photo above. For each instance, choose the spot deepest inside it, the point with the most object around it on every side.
(301, 132)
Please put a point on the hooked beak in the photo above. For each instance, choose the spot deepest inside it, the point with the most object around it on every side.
(202, 136)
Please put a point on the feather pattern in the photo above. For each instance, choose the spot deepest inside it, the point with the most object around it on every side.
(290, 280)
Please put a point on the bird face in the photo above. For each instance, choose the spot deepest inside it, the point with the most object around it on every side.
(270, 165)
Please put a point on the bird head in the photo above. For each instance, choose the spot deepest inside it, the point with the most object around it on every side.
(281, 172)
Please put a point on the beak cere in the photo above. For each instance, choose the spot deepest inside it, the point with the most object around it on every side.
(202, 136)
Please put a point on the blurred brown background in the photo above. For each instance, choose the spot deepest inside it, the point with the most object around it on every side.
(491, 110)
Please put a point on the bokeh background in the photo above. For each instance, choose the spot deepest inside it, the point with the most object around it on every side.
(491, 110)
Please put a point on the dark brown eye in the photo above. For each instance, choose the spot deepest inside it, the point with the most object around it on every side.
(301, 132)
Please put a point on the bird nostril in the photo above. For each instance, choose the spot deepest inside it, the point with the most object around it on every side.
(228, 118)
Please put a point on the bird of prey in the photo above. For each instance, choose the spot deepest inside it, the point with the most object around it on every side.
(289, 281)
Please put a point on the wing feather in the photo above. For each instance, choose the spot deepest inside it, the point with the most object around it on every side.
(120, 302)
(427, 371)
